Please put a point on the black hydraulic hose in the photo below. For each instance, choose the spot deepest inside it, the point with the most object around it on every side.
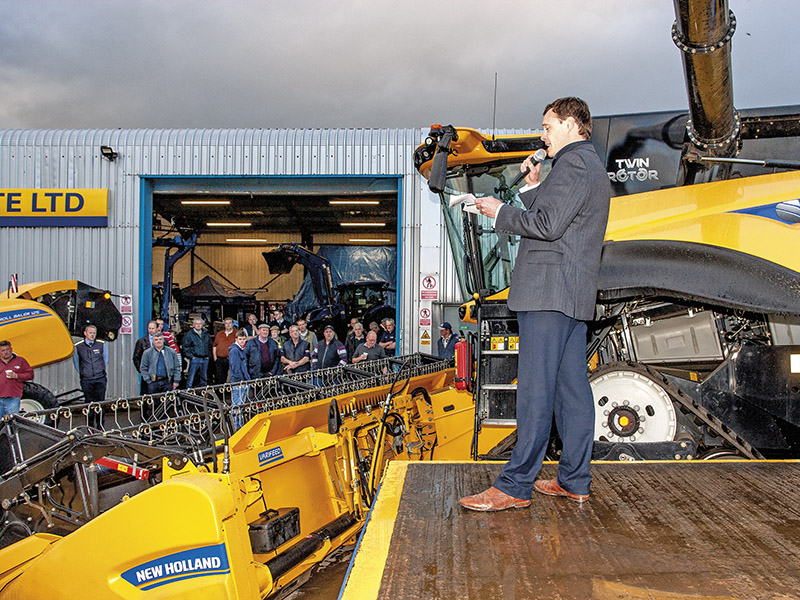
(285, 561)
(212, 448)
(226, 456)
(379, 442)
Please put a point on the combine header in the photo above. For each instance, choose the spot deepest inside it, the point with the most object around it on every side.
(173, 497)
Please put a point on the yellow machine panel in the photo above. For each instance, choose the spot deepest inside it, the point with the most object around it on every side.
(36, 332)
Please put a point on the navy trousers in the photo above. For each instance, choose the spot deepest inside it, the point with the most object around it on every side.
(94, 390)
(551, 379)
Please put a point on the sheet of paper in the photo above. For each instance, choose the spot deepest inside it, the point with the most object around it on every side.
(467, 202)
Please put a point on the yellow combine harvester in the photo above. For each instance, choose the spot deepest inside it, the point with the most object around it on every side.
(39, 319)
(694, 354)
(170, 500)
(695, 350)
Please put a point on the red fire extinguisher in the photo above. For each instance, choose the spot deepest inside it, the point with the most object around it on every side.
(463, 365)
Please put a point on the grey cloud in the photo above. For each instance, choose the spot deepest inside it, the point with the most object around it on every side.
(355, 63)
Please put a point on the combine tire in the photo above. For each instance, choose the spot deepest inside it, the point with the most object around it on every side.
(631, 405)
(36, 397)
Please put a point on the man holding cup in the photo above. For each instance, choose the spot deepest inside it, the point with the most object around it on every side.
(15, 371)
(369, 350)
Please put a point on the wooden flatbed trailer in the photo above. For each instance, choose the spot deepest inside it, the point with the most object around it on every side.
(695, 530)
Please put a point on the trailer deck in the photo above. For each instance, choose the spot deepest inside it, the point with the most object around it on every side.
(658, 531)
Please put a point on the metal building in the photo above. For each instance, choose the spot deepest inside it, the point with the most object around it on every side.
(138, 162)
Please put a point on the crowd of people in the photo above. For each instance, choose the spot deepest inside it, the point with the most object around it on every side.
(253, 351)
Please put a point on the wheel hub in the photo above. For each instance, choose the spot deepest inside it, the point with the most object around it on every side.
(631, 407)
(623, 421)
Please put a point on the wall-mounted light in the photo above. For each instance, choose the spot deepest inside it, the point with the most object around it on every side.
(353, 202)
(371, 240)
(206, 202)
(108, 153)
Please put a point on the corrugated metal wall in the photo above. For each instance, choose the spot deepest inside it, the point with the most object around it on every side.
(110, 257)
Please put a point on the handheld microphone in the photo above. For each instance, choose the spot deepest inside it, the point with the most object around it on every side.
(538, 157)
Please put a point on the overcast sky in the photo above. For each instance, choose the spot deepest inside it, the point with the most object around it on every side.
(359, 63)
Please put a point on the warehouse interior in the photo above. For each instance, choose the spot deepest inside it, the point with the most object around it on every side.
(237, 219)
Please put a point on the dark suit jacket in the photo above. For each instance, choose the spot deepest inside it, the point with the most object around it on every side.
(561, 235)
(142, 344)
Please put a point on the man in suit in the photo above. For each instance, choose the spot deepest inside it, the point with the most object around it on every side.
(553, 291)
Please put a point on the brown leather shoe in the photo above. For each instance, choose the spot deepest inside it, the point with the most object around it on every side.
(550, 487)
(491, 500)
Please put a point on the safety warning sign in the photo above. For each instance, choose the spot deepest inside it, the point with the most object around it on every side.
(425, 340)
(127, 324)
(424, 317)
(429, 287)
(126, 304)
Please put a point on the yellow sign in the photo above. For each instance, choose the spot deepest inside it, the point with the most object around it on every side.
(425, 338)
(513, 342)
(54, 208)
(498, 343)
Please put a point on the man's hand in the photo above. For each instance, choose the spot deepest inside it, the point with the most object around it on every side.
(532, 178)
(488, 206)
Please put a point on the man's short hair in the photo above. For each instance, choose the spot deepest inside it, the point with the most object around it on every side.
(576, 108)
(301, 321)
(158, 335)
(88, 326)
(241, 333)
(228, 319)
(4, 343)
(388, 320)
